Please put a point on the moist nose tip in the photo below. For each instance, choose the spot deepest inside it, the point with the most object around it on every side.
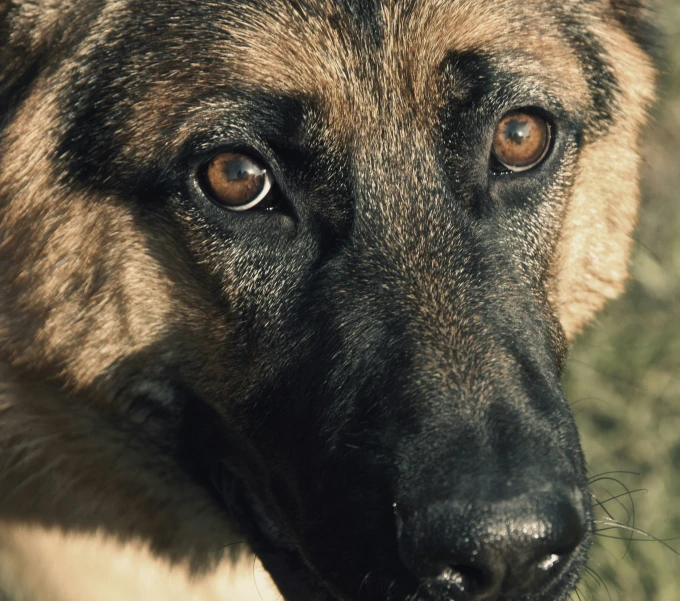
(508, 547)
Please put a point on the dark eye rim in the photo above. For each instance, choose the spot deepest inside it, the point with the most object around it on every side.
(268, 202)
(499, 168)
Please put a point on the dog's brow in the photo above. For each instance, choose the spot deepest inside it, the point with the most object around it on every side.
(473, 75)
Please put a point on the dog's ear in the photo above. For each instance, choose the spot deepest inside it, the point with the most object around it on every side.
(593, 252)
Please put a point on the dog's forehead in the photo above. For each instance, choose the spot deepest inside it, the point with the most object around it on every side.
(402, 45)
(359, 60)
(346, 55)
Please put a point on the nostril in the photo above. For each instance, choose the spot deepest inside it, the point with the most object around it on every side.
(476, 582)
(490, 574)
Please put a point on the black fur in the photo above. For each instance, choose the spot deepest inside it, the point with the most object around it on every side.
(390, 399)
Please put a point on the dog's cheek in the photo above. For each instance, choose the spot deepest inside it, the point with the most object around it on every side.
(76, 266)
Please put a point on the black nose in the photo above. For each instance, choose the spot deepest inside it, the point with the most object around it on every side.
(480, 551)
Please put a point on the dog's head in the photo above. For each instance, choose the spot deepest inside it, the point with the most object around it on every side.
(326, 256)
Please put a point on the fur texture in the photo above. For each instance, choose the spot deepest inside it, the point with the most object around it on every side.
(350, 383)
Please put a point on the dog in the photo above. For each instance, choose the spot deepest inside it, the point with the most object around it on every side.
(295, 280)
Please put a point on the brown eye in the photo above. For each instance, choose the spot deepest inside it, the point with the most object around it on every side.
(521, 141)
(235, 181)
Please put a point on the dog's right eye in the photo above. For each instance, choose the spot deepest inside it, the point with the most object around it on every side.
(236, 181)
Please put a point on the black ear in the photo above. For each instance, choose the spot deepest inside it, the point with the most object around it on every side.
(637, 18)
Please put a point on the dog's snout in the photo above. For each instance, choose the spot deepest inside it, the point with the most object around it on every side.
(479, 551)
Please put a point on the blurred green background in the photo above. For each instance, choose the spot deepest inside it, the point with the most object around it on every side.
(623, 378)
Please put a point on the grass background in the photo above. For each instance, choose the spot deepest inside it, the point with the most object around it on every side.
(623, 377)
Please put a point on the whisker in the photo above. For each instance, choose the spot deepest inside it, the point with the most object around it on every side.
(643, 540)
(590, 588)
(630, 515)
(223, 547)
(605, 549)
(388, 594)
(607, 512)
(578, 594)
(363, 582)
(614, 497)
(596, 477)
(600, 581)
(617, 499)
(624, 526)
(651, 538)
(589, 398)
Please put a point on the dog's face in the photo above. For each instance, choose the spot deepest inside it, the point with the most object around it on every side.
(324, 257)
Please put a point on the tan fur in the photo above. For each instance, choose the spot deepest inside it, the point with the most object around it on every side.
(48, 286)
(591, 263)
(46, 565)
(65, 463)
(592, 258)
(57, 317)
(286, 53)
(317, 62)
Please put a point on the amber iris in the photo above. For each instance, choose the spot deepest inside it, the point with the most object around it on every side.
(521, 141)
(236, 181)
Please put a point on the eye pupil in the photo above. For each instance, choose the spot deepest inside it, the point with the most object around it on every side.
(236, 181)
(517, 131)
(521, 141)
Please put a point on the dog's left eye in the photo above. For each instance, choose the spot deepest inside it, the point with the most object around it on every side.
(236, 181)
(521, 141)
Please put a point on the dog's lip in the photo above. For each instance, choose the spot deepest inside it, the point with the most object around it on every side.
(265, 524)
(293, 575)
(216, 467)
(278, 553)
(298, 581)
